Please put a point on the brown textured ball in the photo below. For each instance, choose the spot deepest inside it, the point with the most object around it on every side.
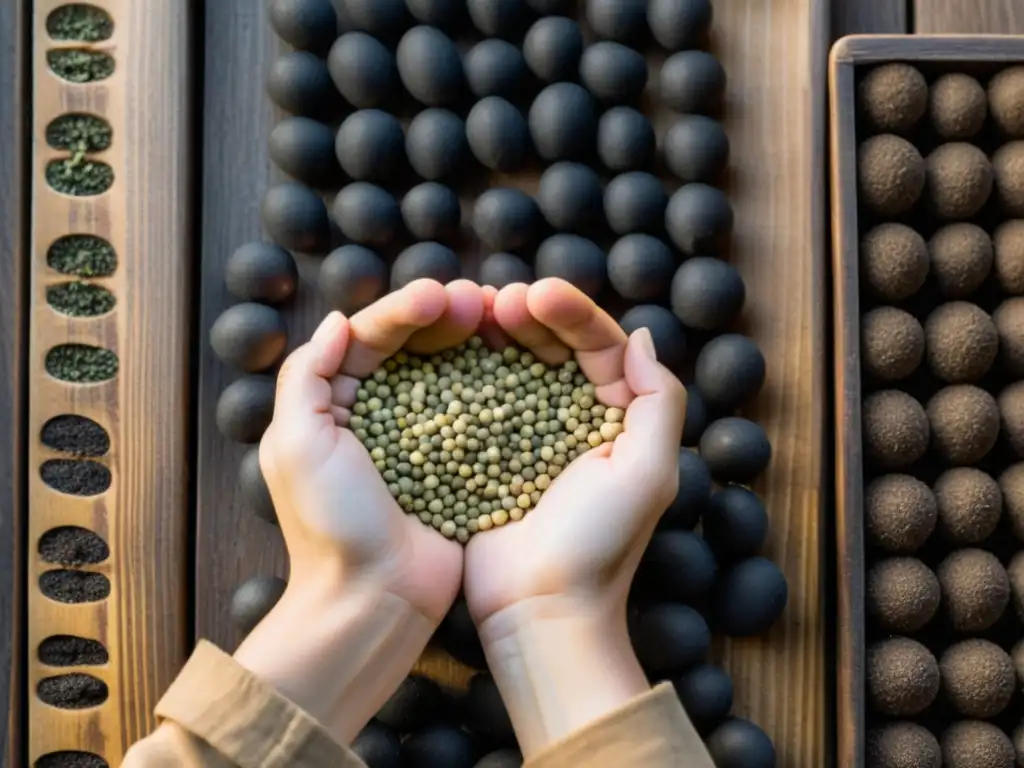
(1015, 573)
(893, 97)
(903, 677)
(959, 180)
(895, 429)
(962, 342)
(969, 503)
(893, 261)
(903, 745)
(1008, 170)
(891, 174)
(899, 512)
(892, 343)
(964, 423)
(976, 744)
(1018, 743)
(1006, 101)
(1008, 249)
(978, 678)
(1011, 483)
(961, 258)
(903, 594)
(975, 589)
(957, 106)
(1009, 320)
(1011, 415)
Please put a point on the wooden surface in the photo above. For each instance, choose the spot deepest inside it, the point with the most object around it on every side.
(856, 17)
(144, 515)
(964, 17)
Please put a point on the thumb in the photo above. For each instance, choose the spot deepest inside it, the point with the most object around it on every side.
(654, 418)
(303, 385)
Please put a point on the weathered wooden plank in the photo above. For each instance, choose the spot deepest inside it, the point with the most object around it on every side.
(862, 17)
(993, 17)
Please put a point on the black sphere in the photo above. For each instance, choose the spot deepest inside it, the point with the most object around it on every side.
(430, 66)
(506, 219)
(299, 83)
(363, 70)
(296, 218)
(385, 19)
(439, 746)
(679, 24)
(669, 638)
(699, 219)
(552, 48)
(501, 269)
(304, 149)
(730, 371)
(640, 267)
(495, 67)
(570, 197)
(245, 408)
(735, 523)
(696, 416)
(736, 450)
(503, 758)
(352, 277)
(696, 149)
(425, 260)
(261, 272)
(418, 702)
(574, 259)
(370, 145)
(693, 83)
(707, 294)
(499, 18)
(252, 337)
(485, 712)
(498, 135)
(457, 635)
(625, 140)
(378, 747)
(622, 20)
(253, 487)
(563, 123)
(739, 743)
(436, 144)
(680, 565)
(667, 332)
(437, 13)
(253, 600)
(693, 494)
(306, 25)
(431, 211)
(612, 72)
(635, 202)
(367, 214)
(749, 597)
(705, 692)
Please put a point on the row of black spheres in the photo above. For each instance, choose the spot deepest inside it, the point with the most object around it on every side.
(688, 582)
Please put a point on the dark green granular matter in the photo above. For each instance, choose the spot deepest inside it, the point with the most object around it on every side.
(71, 545)
(82, 256)
(70, 759)
(81, 363)
(79, 176)
(79, 133)
(80, 22)
(74, 586)
(76, 435)
(72, 651)
(80, 299)
(74, 691)
(78, 66)
(78, 477)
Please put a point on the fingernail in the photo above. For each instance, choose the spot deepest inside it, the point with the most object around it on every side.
(327, 327)
(646, 341)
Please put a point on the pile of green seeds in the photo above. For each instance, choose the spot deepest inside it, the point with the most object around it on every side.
(470, 438)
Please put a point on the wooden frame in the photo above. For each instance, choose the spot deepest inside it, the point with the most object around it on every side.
(848, 54)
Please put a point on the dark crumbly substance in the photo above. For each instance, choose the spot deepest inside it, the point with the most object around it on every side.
(82, 256)
(975, 589)
(970, 505)
(959, 180)
(893, 97)
(978, 678)
(903, 745)
(974, 744)
(79, 176)
(1011, 483)
(1008, 247)
(79, 133)
(892, 343)
(895, 429)
(74, 691)
(957, 106)
(903, 594)
(79, 66)
(80, 22)
(961, 258)
(1006, 101)
(1009, 321)
(71, 651)
(66, 759)
(1008, 169)
(76, 435)
(70, 545)
(893, 261)
(890, 174)
(962, 342)
(900, 513)
(1011, 413)
(964, 423)
(79, 299)
(902, 677)
(74, 586)
(78, 477)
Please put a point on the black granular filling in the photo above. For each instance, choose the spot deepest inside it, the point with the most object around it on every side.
(76, 435)
(74, 691)
(71, 760)
(74, 586)
(82, 256)
(81, 22)
(70, 545)
(78, 477)
(71, 651)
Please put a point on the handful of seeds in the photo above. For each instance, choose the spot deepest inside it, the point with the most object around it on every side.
(470, 438)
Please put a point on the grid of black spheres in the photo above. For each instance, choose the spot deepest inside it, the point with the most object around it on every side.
(402, 118)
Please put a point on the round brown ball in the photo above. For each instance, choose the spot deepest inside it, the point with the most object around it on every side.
(903, 745)
(895, 429)
(893, 261)
(1008, 171)
(975, 589)
(978, 678)
(1018, 743)
(1011, 483)
(962, 342)
(892, 343)
(1011, 414)
(969, 503)
(976, 744)
(1017, 655)
(964, 423)
(959, 180)
(1008, 251)
(893, 97)
(891, 174)
(1006, 100)
(903, 594)
(961, 258)
(957, 106)
(1009, 322)
(903, 677)
(899, 513)
(1015, 573)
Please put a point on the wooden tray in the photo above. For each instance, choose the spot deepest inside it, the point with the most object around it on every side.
(932, 53)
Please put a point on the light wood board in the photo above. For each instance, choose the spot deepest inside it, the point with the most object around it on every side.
(969, 17)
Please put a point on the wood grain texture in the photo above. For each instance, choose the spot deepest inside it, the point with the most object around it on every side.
(855, 17)
(143, 516)
(977, 17)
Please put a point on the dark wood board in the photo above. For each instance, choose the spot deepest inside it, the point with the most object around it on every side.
(857, 17)
(968, 17)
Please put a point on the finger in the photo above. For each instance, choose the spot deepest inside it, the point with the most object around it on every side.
(343, 390)
(512, 313)
(341, 416)
(461, 319)
(490, 331)
(303, 385)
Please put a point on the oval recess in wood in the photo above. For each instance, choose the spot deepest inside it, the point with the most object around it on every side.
(72, 651)
(77, 477)
(74, 434)
(79, 176)
(82, 256)
(64, 586)
(71, 545)
(80, 299)
(71, 759)
(79, 22)
(81, 363)
(80, 65)
(79, 132)
(73, 691)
